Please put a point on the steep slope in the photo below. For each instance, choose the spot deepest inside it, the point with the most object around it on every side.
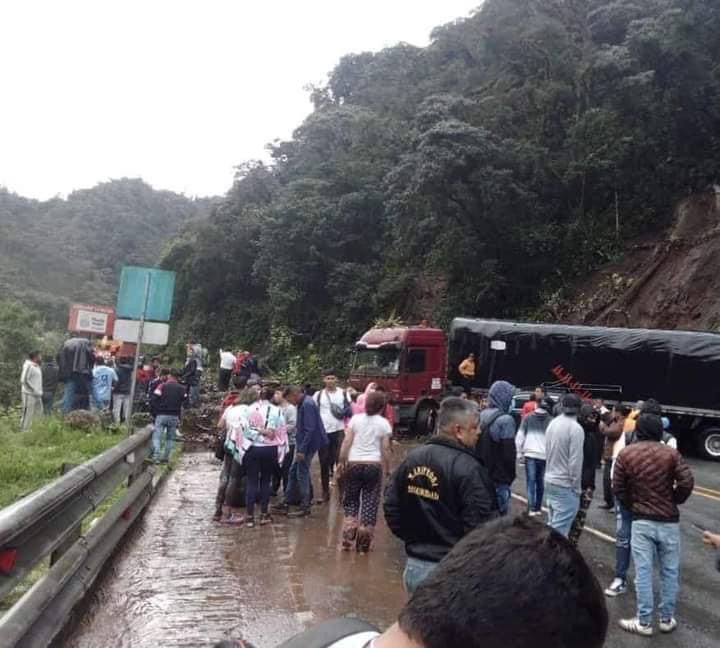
(58, 251)
(670, 282)
(476, 176)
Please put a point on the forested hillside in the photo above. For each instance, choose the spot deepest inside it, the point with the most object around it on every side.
(478, 176)
(58, 251)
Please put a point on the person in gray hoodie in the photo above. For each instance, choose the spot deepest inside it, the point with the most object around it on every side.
(496, 446)
(530, 444)
(564, 439)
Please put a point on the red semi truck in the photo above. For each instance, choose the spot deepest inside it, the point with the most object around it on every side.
(679, 368)
(411, 362)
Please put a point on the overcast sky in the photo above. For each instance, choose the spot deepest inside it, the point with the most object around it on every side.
(177, 92)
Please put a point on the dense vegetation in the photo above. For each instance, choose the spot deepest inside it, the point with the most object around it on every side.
(57, 251)
(476, 176)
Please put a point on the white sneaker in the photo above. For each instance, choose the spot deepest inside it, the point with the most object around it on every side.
(668, 625)
(635, 627)
(616, 588)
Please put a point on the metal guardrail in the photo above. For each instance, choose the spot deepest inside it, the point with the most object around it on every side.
(46, 522)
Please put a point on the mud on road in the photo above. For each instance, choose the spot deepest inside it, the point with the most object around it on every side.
(183, 580)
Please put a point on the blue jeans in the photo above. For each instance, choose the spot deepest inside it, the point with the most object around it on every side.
(168, 424)
(416, 571)
(650, 540)
(563, 504)
(299, 480)
(502, 492)
(71, 387)
(535, 478)
(103, 405)
(194, 395)
(622, 541)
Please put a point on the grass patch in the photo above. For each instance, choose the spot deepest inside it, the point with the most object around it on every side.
(29, 460)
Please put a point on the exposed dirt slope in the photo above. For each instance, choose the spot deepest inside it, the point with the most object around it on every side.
(669, 283)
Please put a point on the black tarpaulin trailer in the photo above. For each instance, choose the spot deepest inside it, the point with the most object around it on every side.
(679, 368)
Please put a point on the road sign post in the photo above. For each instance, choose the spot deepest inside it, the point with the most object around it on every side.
(144, 294)
(133, 381)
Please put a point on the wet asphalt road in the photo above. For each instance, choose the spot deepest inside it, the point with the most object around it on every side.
(182, 580)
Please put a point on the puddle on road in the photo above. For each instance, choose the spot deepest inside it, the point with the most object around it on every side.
(184, 581)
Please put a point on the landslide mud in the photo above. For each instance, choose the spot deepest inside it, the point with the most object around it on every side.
(183, 580)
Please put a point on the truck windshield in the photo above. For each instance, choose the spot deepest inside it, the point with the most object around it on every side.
(377, 361)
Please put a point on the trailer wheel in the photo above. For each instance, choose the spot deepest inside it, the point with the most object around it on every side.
(424, 424)
(708, 443)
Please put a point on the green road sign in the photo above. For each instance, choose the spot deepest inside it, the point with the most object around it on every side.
(131, 295)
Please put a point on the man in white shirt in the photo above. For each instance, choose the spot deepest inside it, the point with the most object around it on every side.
(334, 406)
(227, 363)
(31, 390)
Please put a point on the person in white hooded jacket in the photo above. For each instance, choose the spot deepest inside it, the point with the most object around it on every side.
(530, 444)
(31, 390)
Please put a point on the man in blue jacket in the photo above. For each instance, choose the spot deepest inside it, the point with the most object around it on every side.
(310, 437)
(497, 440)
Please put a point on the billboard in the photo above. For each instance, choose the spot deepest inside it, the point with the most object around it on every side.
(131, 295)
(91, 318)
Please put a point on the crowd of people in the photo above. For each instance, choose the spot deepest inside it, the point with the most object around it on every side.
(462, 477)
(269, 436)
(94, 379)
(452, 487)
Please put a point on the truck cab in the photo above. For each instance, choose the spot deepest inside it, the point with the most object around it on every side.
(411, 363)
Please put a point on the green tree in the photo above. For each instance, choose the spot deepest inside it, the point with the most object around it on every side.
(18, 337)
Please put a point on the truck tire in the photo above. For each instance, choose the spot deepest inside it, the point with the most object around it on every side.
(708, 443)
(424, 424)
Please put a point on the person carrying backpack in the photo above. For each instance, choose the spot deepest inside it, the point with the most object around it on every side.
(496, 446)
(335, 407)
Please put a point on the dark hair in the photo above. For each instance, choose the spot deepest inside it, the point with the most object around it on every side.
(99, 361)
(651, 406)
(247, 397)
(291, 389)
(267, 393)
(381, 388)
(548, 404)
(175, 373)
(511, 569)
(571, 403)
(374, 403)
(164, 371)
(33, 354)
(240, 381)
(623, 409)
(648, 427)
(329, 372)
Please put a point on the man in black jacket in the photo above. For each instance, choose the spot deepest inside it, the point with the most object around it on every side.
(440, 492)
(166, 401)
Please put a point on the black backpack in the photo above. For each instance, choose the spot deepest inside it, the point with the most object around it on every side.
(338, 412)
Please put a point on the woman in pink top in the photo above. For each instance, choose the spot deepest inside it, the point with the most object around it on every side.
(388, 412)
